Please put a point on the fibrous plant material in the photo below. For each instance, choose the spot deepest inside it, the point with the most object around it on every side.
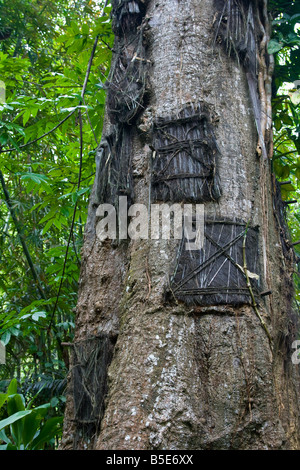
(215, 274)
(184, 161)
(91, 358)
(127, 14)
(127, 80)
(113, 167)
(243, 27)
(236, 28)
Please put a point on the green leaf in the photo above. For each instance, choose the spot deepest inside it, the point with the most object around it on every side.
(288, 188)
(4, 438)
(287, 120)
(15, 404)
(32, 423)
(47, 226)
(14, 418)
(85, 28)
(75, 27)
(14, 143)
(5, 338)
(3, 398)
(274, 46)
(285, 172)
(277, 124)
(54, 402)
(36, 177)
(11, 447)
(26, 116)
(37, 315)
(50, 429)
(13, 387)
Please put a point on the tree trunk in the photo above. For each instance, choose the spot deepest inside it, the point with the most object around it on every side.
(177, 349)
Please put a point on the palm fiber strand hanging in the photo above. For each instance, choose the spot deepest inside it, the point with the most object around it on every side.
(91, 358)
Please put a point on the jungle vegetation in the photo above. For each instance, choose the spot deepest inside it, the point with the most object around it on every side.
(54, 62)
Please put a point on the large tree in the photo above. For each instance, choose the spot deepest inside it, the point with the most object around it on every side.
(181, 349)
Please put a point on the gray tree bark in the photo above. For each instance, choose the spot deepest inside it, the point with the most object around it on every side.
(189, 376)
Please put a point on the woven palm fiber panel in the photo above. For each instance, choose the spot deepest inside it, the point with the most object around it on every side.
(91, 358)
(127, 79)
(214, 274)
(185, 157)
(113, 174)
(281, 207)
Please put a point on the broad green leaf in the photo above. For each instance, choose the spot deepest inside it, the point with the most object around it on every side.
(36, 177)
(285, 171)
(277, 124)
(13, 387)
(75, 27)
(57, 223)
(32, 423)
(15, 404)
(4, 438)
(47, 226)
(50, 429)
(12, 419)
(54, 402)
(37, 315)
(274, 46)
(5, 338)
(3, 398)
(26, 116)
(85, 28)
(288, 188)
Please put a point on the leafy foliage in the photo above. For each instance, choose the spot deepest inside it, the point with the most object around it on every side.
(26, 427)
(285, 45)
(50, 124)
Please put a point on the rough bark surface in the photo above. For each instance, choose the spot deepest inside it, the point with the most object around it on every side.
(190, 377)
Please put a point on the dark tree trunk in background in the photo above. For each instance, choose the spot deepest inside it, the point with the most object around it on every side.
(176, 349)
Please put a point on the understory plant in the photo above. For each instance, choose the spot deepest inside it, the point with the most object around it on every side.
(26, 427)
